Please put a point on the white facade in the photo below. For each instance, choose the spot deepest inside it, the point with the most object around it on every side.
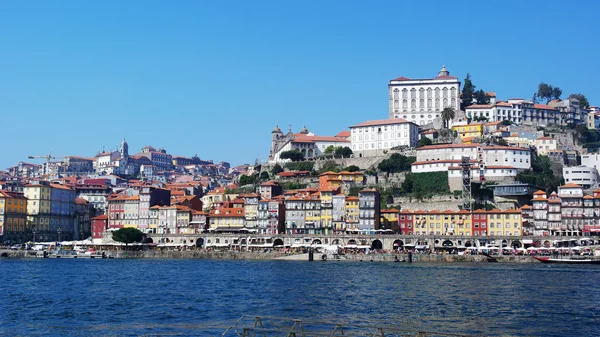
(591, 160)
(518, 158)
(500, 111)
(545, 144)
(421, 101)
(372, 138)
(587, 177)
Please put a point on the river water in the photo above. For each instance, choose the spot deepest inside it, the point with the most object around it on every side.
(117, 297)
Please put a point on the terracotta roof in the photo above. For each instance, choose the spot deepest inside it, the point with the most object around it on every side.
(479, 106)
(343, 134)
(486, 148)
(100, 217)
(570, 185)
(351, 198)
(451, 161)
(382, 122)
(490, 94)
(446, 146)
(312, 139)
(526, 207)
(493, 123)
(543, 107)
(539, 192)
(401, 78)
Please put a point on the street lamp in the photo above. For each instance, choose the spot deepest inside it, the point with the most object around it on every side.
(59, 230)
(34, 231)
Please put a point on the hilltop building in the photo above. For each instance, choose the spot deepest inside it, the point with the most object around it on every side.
(421, 101)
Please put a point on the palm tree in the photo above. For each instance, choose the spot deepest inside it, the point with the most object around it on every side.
(447, 115)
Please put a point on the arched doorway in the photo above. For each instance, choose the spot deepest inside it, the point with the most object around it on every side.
(468, 244)
(335, 242)
(351, 242)
(377, 245)
(148, 240)
(516, 244)
(199, 242)
(547, 244)
(278, 243)
(447, 243)
(316, 242)
(398, 244)
(504, 243)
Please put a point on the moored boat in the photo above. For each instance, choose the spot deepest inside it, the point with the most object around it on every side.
(567, 260)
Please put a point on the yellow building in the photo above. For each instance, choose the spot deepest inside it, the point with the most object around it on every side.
(13, 215)
(327, 210)
(469, 130)
(352, 213)
(504, 223)
(38, 209)
(389, 219)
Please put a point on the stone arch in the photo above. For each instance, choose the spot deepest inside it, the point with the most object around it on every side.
(447, 243)
(547, 244)
(516, 244)
(148, 240)
(335, 241)
(278, 242)
(167, 240)
(363, 242)
(468, 244)
(316, 242)
(199, 242)
(376, 244)
(398, 244)
(504, 243)
(351, 242)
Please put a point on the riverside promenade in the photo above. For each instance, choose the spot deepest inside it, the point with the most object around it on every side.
(276, 255)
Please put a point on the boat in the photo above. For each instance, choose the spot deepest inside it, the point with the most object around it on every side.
(568, 260)
(71, 254)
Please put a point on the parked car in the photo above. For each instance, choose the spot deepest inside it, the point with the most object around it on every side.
(15, 247)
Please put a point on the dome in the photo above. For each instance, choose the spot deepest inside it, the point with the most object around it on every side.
(276, 130)
(304, 130)
(444, 71)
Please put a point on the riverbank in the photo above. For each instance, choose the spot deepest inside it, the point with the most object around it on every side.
(232, 255)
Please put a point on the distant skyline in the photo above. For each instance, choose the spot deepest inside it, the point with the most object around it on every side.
(214, 78)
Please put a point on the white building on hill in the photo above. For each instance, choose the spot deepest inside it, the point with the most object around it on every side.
(372, 138)
(421, 101)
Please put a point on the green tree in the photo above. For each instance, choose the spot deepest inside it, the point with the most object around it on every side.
(247, 180)
(276, 169)
(556, 93)
(301, 166)
(329, 165)
(548, 92)
(482, 97)
(467, 93)
(127, 235)
(396, 163)
(294, 155)
(352, 168)
(424, 141)
(344, 152)
(329, 150)
(264, 175)
(583, 101)
(448, 114)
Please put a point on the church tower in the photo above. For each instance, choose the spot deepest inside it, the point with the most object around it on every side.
(124, 149)
(276, 134)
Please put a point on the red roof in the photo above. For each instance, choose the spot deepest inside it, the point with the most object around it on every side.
(401, 78)
(479, 106)
(570, 185)
(444, 146)
(543, 107)
(446, 77)
(343, 134)
(312, 139)
(382, 122)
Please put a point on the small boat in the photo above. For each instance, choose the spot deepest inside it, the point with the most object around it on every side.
(569, 260)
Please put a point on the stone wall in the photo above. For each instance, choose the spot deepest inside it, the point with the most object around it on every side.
(438, 202)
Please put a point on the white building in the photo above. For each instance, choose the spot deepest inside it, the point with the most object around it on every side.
(587, 177)
(545, 144)
(591, 160)
(421, 101)
(492, 173)
(516, 157)
(309, 144)
(372, 138)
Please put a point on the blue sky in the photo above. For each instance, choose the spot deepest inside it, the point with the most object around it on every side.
(214, 77)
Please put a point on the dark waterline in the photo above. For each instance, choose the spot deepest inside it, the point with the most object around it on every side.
(178, 297)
